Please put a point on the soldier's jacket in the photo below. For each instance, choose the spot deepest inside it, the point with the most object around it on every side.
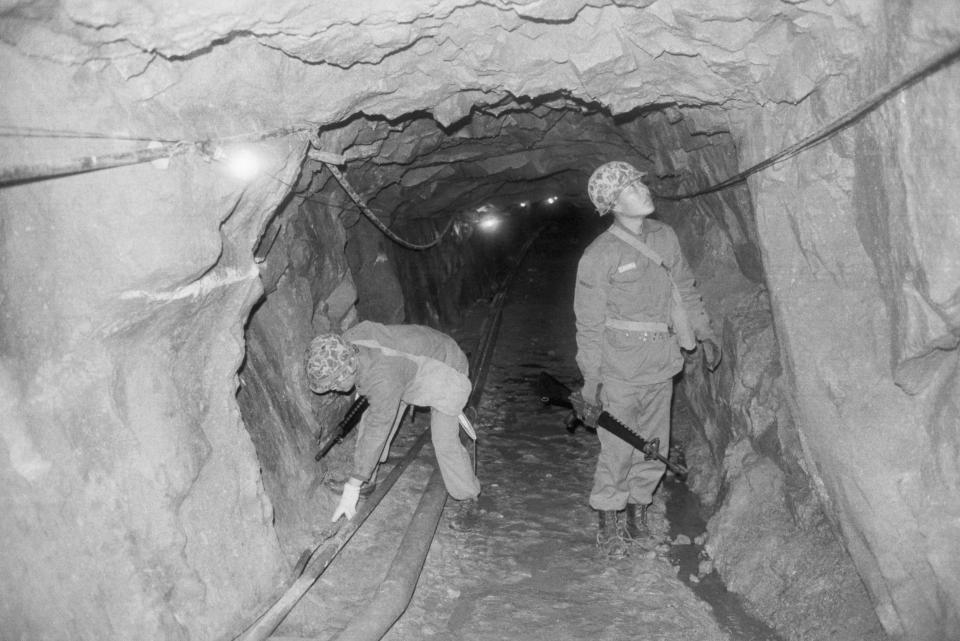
(616, 281)
(412, 363)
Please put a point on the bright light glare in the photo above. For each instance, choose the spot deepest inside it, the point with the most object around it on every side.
(551, 200)
(243, 163)
(523, 204)
(489, 223)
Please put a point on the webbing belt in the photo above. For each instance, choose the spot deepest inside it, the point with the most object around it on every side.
(637, 326)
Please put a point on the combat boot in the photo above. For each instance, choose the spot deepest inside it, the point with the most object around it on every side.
(609, 536)
(635, 528)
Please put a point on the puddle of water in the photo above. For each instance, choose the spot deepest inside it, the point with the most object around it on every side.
(683, 513)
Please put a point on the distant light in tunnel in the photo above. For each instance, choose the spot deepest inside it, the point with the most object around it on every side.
(524, 204)
(243, 163)
(552, 199)
(489, 223)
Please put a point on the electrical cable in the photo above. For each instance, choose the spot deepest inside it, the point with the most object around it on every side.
(20, 174)
(377, 222)
(364, 210)
(314, 561)
(8, 131)
(312, 199)
(835, 126)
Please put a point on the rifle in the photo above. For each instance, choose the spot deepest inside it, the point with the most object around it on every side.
(347, 423)
(556, 393)
(553, 392)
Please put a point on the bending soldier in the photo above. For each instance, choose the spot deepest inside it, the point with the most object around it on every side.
(395, 366)
(636, 303)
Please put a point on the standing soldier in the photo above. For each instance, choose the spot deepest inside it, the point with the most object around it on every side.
(395, 366)
(636, 305)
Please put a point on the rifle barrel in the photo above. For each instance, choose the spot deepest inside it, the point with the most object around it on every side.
(344, 426)
(554, 392)
(611, 424)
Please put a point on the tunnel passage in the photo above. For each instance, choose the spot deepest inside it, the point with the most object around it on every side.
(333, 266)
(324, 264)
(139, 275)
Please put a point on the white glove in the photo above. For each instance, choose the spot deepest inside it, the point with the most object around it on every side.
(467, 426)
(348, 502)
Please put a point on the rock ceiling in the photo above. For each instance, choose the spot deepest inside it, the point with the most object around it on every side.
(447, 98)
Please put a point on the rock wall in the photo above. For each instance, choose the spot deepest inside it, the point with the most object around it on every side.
(308, 289)
(133, 503)
(768, 536)
(854, 235)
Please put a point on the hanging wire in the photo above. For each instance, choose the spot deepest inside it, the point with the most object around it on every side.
(44, 171)
(21, 174)
(377, 222)
(866, 106)
(7, 131)
(312, 199)
(364, 210)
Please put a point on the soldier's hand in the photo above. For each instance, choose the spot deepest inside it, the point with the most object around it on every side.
(711, 354)
(586, 411)
(348, 501)
(590, 392)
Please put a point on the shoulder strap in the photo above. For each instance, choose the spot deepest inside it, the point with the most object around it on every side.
(386, 350)
(639, 245)
(678, 315)
(416, 358)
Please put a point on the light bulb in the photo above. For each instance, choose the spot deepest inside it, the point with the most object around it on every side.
(243, 163)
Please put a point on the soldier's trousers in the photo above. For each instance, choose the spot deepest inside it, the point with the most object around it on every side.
(452, 457)
(622, 475)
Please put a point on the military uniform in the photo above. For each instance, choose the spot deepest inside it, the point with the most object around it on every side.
(401, 365)
(622, 303)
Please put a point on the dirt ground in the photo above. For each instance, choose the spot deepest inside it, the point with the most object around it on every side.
(522, 562)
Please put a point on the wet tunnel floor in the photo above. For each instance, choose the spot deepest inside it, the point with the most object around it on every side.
(523, 563)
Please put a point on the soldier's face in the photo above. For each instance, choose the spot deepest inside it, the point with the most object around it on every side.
(635, 201)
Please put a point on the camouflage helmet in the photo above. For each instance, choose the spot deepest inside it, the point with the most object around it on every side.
(329, 360)
(608, 180)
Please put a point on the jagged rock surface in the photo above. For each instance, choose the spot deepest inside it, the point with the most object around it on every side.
(125, 292)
